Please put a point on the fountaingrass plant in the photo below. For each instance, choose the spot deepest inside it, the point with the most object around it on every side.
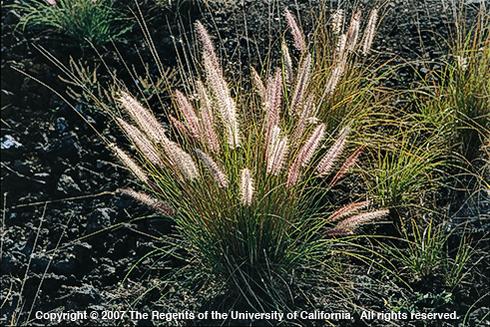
(245, 177)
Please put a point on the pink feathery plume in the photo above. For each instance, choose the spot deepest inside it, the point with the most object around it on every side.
(272, 134)
(226, 108)
(311, 145)
(306, 114)
(349, 162)
(179, 126)
(207, 119)
(207, 45)
(337, 21)
(301, 85)
(149, 201)
(277, 153)
(258, 84)
(280, 155)
(225, 103)
(246, 187)
(130, 163)
(213, 168)
(52, 2)
(370, 31)
(288, 62)
(353, 31)
(212, 66)
(335, 77)
(273, 99)
(340, 53)
(293, 173)
(298, 37)
(189, 114)
(326, 164)
(180, 160)
(305, 154)
(340, 62)
(352, 223)
(347, 210)
(144, 118)
(143, 144)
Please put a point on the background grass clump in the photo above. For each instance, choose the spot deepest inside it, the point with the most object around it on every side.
(457, 105)
(90, 22)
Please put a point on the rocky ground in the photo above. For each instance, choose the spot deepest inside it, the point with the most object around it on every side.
(68, 242)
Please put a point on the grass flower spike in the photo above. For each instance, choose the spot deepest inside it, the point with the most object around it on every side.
(353, 31)
(153, 203)
(276, 152)
(180, 160)
(326, 164)
(207, 119)
(145, 120)
(246, 187)
(349, 225)
(337, 21)
(213, 168)
(307, 151)
(370, 31)
(305, 154)
(347, 210)
(141, 142)
(219, 88)
(190, 117)
(298, 37)
(131, 164)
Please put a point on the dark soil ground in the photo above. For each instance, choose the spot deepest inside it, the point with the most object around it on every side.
(68, 242)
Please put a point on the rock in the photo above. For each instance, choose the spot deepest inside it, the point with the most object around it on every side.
(123, 202)
(67, 265)
(83, 252)
(85, 295)
(121, 248)
(143, 248)
(70, 146)
(39, 262)
(8, 142)
(61, 125)
(52, 281)
(107, 270)
(12, 263)
(99, 219)
(107, 274)
(23, 167)
(10, 146)
(67, 147)
(97, 307)
(84, 111)
(67, 185)
(480, 316)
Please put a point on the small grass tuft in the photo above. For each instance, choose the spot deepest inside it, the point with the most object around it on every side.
(91, 22)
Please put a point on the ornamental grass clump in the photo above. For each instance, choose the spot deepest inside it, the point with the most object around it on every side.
(89, 21)
(405, 175)
(458, 103)
(246, 176)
